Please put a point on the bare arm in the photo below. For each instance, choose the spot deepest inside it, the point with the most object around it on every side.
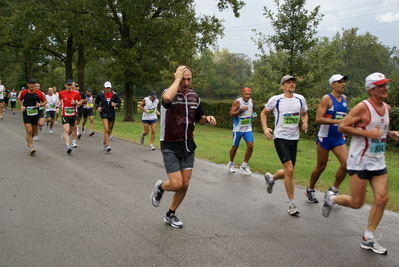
(359, 116)
(263, 118)
(169, 94)
(305, 125)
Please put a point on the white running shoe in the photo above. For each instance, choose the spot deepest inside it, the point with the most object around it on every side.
(103, 145)
(74, 145)
(35, 138)
(230, 168)
(152, 147)
(50, 131)
(110, 137)
(108, 149)
(245, 169)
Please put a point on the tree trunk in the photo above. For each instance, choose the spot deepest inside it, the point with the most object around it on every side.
(69, 59)
(81, 66)
(128, 104)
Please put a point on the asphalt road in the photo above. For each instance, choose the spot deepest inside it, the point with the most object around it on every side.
(93, 209)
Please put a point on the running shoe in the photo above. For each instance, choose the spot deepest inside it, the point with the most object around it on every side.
(310, 194)
(74, 145)
(141, 139)
(108, 149)
(230, 167)
(269, 184)
(45, 127)
(245, 169)
(79, 135)
(372, 244)
(103, 145)
(35, 138)
(327, 205)
(50, 131)
(110, 137)
(293, 210)
(83, 130)
(32, 151)
(173, 221)
(152, 147)
(62, 136)
(91, 133)
(69, 150)
(40, 128)
(156, 195)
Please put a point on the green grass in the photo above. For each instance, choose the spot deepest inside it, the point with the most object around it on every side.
(214, 145)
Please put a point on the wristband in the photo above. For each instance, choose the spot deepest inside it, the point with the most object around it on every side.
(240, 110)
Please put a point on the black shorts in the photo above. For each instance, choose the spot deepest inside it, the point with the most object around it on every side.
(13, 103)
(108, 118)
(50, 114)
(30, 119)
(368, 174)
(69, 120)
(87, 112)
(286, 150)
(41, 113)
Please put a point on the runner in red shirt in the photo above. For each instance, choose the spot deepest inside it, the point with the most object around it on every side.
(30, 100)
(67, 100)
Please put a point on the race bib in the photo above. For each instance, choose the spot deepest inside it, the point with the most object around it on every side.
(377, 147)
(151, 111)
(245, 120)
(69, 111)
(52, 105)
(89, 105)
(340, 115)
(290, 119)
(31, 111)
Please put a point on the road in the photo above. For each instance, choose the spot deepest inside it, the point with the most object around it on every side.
(93, 209)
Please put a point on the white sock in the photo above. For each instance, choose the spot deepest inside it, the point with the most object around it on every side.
(368, 234)
(292, 202)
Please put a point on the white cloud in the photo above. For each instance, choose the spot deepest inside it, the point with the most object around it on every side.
(388, 17)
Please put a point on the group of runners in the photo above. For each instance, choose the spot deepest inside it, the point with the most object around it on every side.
(367, 123)
(71, 104)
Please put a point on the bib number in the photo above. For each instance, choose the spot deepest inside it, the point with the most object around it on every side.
(290, 119)
(245, 120)
(69, 111)
(377, 147)
(31, 111)
(340, 115)
(151, 111)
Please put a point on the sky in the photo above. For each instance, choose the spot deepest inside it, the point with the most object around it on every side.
(380, 18)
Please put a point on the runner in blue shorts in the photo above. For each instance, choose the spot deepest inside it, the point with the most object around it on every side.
(149, 117)
(330, 113)
(242, 112)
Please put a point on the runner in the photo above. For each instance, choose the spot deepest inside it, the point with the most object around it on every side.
(68, 99)
(149, 117)
(330, 113)
(242, 112)
(40, 123)
(79, 110)
(30, 100)
(288, 109)
(88, 105)
(13, 100)
(368, 124)
(106, 102)
(181, 108)
(52, 101)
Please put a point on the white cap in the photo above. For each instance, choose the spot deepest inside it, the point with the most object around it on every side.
(376, 78)
(107, 85)
(336, 78)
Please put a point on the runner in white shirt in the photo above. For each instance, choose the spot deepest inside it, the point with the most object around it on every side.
(289, 109)
(2, 93)
(149, 118)
(13, 100)
(51, 106)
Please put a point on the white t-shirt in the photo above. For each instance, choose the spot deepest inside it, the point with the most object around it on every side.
(52, 102)
(2, 93)
(287, 113)
(151, 106)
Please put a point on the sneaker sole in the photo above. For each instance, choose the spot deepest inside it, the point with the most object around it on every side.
(373, 250)
(32, 152)
(152, 194)
(294, 214)
(171, 224)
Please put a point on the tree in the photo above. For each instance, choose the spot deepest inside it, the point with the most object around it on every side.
(295, 32)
